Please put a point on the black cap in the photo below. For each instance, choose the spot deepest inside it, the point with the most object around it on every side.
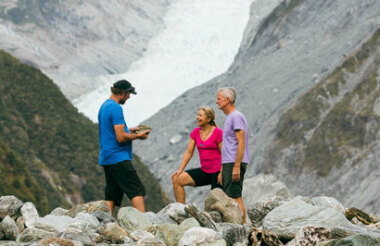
(124, 85)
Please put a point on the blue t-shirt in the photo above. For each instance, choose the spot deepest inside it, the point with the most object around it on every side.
(112, 152)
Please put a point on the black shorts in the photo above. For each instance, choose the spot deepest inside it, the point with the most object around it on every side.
(233, 189)
(122, 178)
(202, 178)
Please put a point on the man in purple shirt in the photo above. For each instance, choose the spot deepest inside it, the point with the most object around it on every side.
(235, 154)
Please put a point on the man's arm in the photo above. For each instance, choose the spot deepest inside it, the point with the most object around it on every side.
(122, 136)
(240, 137)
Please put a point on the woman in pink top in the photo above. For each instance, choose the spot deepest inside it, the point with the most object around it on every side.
(208, 139)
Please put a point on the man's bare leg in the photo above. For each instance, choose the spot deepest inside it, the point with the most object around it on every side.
(138, 203)
(179, 182)
(239, 200)
(111, 206)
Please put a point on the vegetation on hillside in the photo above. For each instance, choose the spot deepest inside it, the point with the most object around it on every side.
(48, 142)
(334, 119)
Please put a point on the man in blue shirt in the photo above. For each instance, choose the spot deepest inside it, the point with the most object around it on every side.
(115, 140)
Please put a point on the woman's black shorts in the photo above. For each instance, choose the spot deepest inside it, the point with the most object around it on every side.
(122, 178)
(202, 178)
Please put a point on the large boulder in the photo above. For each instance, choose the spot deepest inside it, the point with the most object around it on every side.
(59, 223)
(131, 219)
(203, 218)
(113, 232)
(172, 213)
(85, 222)
(354, 240)
(258, 210)
(233, 233)
(33, 234)
(264, 186)
(202, 237)
(9, 228)
(287, 219)
(170, 234)
(217, 200)
(100, 206)
(30, 214)
(9, 205)
(328, 202)
(74, 234)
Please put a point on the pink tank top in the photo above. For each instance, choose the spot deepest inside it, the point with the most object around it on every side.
(209, 154)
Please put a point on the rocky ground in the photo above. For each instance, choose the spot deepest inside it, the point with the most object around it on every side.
(274, 220)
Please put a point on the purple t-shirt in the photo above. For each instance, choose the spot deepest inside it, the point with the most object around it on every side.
(234, 121)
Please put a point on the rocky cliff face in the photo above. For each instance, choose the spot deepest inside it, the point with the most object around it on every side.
(74, 41)
(300, 44)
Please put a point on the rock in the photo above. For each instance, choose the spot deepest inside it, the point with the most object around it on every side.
(75, 235)
(30, 214)
(175, 139)
(233, 233)
(201, 237)
(103, 217)
(287, 219)
(85, 222)
(150, 242)
(170, 234)
(131, 219)
(59, 211)
(20, 222)
(203, 218)
(142, 128)
(113, 231)
(174, 212)
(9, 205)
(354, 240)
(138, 235)
(375, 226)
(97, 206)
(328, 202)
(217, 200)
(56, 241)
(1, 234)
(97, 238)
(216, 216)
(360, 215)
(311, 235)
(33, 234)
(258, 210)
(263, 237)
(262, 187)
(59, 223)
(9, 228)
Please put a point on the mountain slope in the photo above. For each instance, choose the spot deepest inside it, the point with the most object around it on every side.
(48, 143)
(330, 136)
(299, 44)
(75, 41)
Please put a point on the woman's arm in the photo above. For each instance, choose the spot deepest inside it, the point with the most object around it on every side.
(186, 157)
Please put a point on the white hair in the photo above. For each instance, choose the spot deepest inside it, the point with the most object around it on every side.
(228, 92)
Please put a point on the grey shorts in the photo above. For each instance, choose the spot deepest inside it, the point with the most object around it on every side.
(233, 189)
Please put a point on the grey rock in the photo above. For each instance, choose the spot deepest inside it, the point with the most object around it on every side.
(202, 236)
(9, 228)
(150, 242)
(30, 214)
(233, 233)
(103, 217)
(170, 234)
(85, 222)
(287, 219)
(9, 205)
(113, 232)
(216, 216)
(262, 187)
(33, 234)
(328, 202)
(203, 218)
(57, 222)
(20, 222)
(217, 200)
(75, 235)
(174, 212)
(138, 235)
(131, 219)
(97, 206)
(59, 211)
(258, 210)
(354, 240)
